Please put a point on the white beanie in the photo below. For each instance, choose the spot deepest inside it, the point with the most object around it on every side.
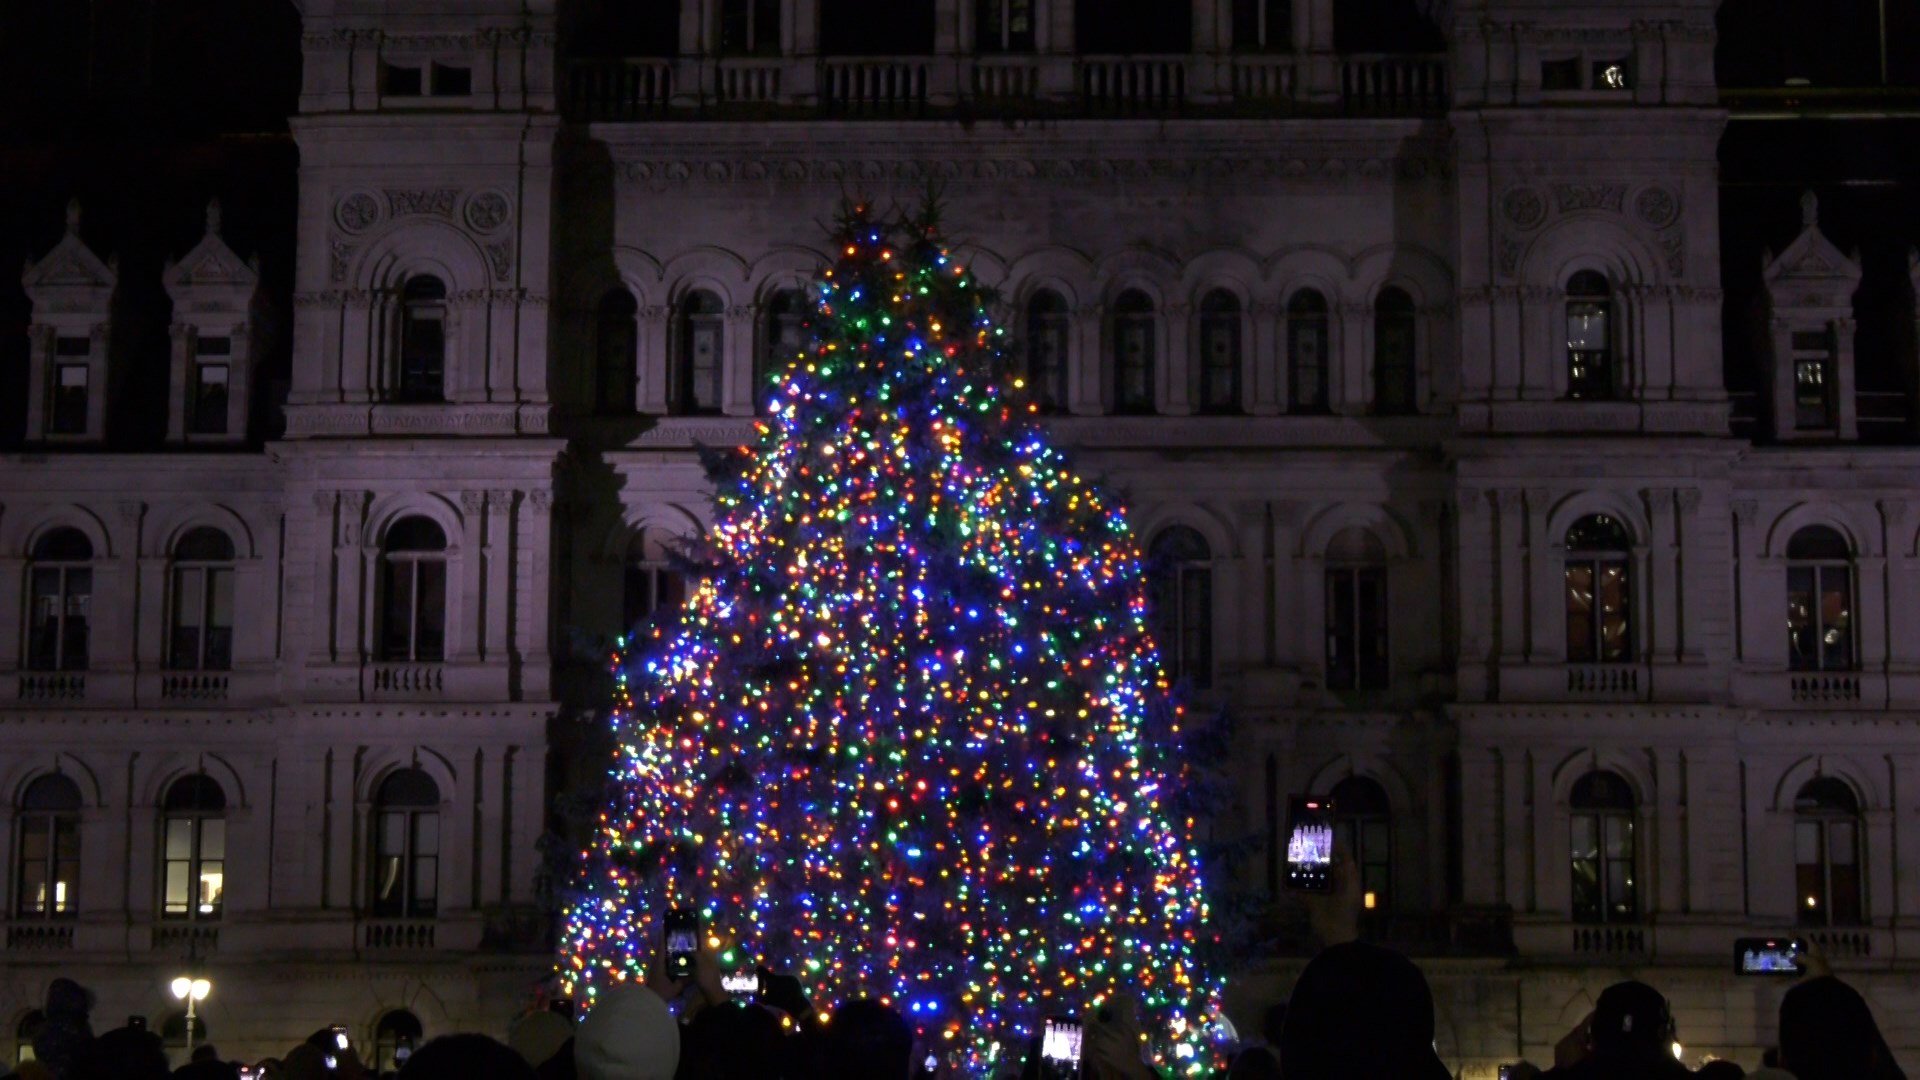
(629, 1035)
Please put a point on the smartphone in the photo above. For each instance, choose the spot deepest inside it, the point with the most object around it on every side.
(1508, 1072)
(1060, 1048)
(1309, 844)
(340, 1039)
(741, 985)
(248, 1072)
(1768, 956)
(683, 941)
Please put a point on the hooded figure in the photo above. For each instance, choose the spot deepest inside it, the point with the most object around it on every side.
(1828, 1033)
(629, 1035)
(1631, 1039)
(1360, 1012)
(67, 1032)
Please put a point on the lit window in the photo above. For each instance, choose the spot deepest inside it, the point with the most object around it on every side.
(1394, 387)
(1589, 337)
(702, 353)
(1599, 592)
(193, 838)
(59, 601)
(1133, 353)
(200, 630)
(1813, 380)
(1181, 583)
(413, 612)
(1004, 26)
(47, 867)
(1602, 848)
(406, 845)
(423, 340)
(1819, 601)
(615, 344)
(1356, 612)
(1219, 367)
(1613, 74)
(1826, 854)
(1307, 352)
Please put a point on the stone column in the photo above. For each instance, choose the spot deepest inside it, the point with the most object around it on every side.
(459, 811)
(736, 380)
(492, 847)
(1904, 873)
(1481, 809)
(526, 787)
(534, 559)
(1087, 362)
(498, 555)
(1174, 331)
(1477, 560)
(1265, 374)
(655, 342)
(1663, 594)
(1668, 862)
(467, 583)
(179, 362)
(1285, 541)
(151, 615)
(346, 826)
(1546, 567)
(13, 577)
(1510, 577)
(1352, 388)
(1746, 549)
(1693, 558)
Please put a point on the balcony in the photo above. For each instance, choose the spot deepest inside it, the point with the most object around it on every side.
(194, 687)
(1047, 85)
(185, 937)
(1603, 682)
(406, 682)
(397, 935)
(1609, 942)
(39, 936)
(53, 687)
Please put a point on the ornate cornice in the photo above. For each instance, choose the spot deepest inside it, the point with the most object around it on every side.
(701, 172)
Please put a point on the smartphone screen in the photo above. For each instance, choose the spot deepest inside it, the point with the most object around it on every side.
(741, 985)
(1309, 844)
(1767, 956)
(1060, 1049)
(683, 941)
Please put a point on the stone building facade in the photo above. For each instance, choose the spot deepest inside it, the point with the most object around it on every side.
(1403, 329)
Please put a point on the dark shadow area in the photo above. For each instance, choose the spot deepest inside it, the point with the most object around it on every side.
(1384, 26)
(1133, 26)
(611, 28)
(876, 27)
(1818, 43)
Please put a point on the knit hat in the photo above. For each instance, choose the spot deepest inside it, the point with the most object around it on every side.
(538, 1036)
(629, 1035)
(1360, 1012)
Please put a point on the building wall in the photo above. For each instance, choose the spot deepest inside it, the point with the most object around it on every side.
(1309, 170)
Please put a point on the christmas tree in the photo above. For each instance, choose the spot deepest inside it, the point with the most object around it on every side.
(909, 736)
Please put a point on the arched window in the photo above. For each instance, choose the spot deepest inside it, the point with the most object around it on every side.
(1363, 827)
(60, 601)
(1602, 848)
(653, 582)
(1590, 337)
(413, 611)
(750, 27)
(1049, 329)
(1819, 600)
(1219, 368)
(200, 623)
(1599, 592)
(193, 852)
(1826, 853)
(23, 1035)
(47, 878)
(1395, 392)
(616, 349)
(1133, 352)
(394, 1039)
(1263, 26)
(1307, 352)
(423, 339)
(783, 338)
(1356, 612)
(1182, 589)
(702, 353)
(406, 845)
(1003, 26)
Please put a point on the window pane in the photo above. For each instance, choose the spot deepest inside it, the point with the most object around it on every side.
(1581, 644)
(219, 646)
(73, 637)
(1307, 362)
(386, 885)
(704, 352)
(396, 620)
(393, 833)
(1621, 902)
(1803, 643)
(1134, 364)
(43, 620)
(1586, 326)
(69, 413)
(1810, 893)
(426, 834)
(179, 838)
(213, 886)
(209, 406)
(213, 838)
(1841, 844)
(177, 899)
(1836, 618)
(1371, 627)
(1845, 903)
(1615, 645)
(431, 639)
(1342, 661)
(1806, 842)
(33, 888)
(66, 837)
(1619, 837)
(1586, 837)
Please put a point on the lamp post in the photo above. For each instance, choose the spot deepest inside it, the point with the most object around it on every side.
(191, 989)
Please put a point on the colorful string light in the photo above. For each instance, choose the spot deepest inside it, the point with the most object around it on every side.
(909, 738)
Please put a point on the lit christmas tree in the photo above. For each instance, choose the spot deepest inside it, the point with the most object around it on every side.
(909, 737)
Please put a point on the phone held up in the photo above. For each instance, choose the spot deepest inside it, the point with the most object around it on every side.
(741, 985)
(1768, 956)
(1060, 1042)
(1310, 844)
(683, 941)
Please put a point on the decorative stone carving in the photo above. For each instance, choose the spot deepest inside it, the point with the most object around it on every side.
(1688, 500)
(1524, 207)
(339, 259)
(357, 212)
(473, 501)
(914, 170)
(1745, 510)
(487, 211)
(1656, 206)
(500, 259)
(438, 202)
(1575, 197)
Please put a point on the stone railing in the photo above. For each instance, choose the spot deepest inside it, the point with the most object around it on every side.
(39, 935)
(873, 87)
(620, 89)
(1133, 84)
(749, 82)
(1603, 680)
(1609, 941)
(47, 687)
(188, 687)
(197, 937)
(407, 680)
(395, 935)
(1827, 687)
(1004, 79)
(1845, 943)
(1393, 84)
(1265, 78)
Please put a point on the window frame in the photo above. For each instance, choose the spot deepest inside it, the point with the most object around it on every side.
(420, 371)
(414, 563)
(1307, 309)
(702, 314)
(1824, 362)
(1005, 41)
(1186, 645)
(1584, 299)
(73, 578)
(1820, 570)
(1350, 834)
(54, 824)
(1135, 320)
(403, 866)
(201, 418)
(205, 568)
(1220, 314)
(196, 861)
(649, 569)
(1350, 577)
(1599, 813)
(783, 336)
(749, 16)
(1394, 315)
(69, 408)
(1824, 910)
(1262, 15)
(1595, 560)
(616, 351)
(1049, 317)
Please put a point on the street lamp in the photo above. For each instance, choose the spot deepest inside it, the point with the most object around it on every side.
(191, 989)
